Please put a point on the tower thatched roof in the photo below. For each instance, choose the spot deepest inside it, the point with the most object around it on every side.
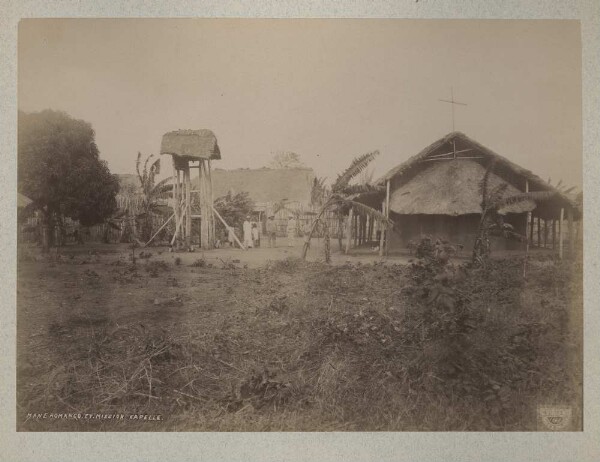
(191, 144)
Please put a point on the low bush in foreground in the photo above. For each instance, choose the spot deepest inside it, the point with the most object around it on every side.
(304, 346)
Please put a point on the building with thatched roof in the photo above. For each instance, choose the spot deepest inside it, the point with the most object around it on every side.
(437, 193)
(266, 186)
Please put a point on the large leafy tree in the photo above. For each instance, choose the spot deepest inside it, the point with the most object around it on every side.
(60, 170)
(286, 159)
(342, 197)
(234, 208)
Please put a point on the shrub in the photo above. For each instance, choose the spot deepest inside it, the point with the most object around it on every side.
(155, 267)
(199, 263)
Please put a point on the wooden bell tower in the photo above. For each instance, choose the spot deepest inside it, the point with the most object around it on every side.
(192, 149)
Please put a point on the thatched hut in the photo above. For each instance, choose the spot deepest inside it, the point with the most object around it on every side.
(437, 193)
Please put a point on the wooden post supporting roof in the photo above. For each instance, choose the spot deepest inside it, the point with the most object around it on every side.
(204, 237)
(349, 237)
(188, 207)
(381, 231)
(210, 198)
(176, 200)
(531, 221)
(387, 215)
(527, 217)
(360, 229)
(560, 233)
(571, 232)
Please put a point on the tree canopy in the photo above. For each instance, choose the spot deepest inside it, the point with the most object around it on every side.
(234, 208)
(286, 159)
(60, 170)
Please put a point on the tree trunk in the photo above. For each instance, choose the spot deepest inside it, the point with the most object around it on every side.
(340, 232)
(327, 244)
(480, 248)
(312, 230)
(134, 231)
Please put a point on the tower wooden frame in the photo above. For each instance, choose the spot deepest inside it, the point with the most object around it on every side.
(191, 149)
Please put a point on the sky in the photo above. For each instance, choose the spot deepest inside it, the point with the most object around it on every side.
(328, 89)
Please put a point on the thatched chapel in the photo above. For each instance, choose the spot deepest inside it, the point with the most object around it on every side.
(437, 193)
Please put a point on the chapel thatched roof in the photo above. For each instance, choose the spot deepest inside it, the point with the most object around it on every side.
(445, 188)
(451, 186)
(191, 144)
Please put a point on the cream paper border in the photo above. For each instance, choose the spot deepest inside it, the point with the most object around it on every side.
(579, 446)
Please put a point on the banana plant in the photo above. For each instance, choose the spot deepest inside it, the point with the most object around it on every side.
(494, 205)
(318, 191)
(342, 197)
(152, 193)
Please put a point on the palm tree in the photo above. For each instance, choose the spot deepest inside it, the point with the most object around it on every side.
(283, 205)
(562, 188)
(493, 208)
(151, 193)
(341, 198)
(318, 191)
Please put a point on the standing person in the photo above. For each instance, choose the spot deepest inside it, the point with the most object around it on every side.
(230, 236)
(271, 230)
(247, 229)
(291, 231)
(255, 235)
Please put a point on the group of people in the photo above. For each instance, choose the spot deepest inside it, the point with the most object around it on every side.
(252, 235)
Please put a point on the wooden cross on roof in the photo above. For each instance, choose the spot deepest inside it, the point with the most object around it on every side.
(453, 103)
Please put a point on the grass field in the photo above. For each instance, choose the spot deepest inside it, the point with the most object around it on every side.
(209, 345)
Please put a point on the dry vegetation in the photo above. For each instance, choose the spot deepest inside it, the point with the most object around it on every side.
(296, 345)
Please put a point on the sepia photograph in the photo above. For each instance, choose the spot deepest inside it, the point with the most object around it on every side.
(299, 225)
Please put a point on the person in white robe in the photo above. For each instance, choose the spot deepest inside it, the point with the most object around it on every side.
(247, 229)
